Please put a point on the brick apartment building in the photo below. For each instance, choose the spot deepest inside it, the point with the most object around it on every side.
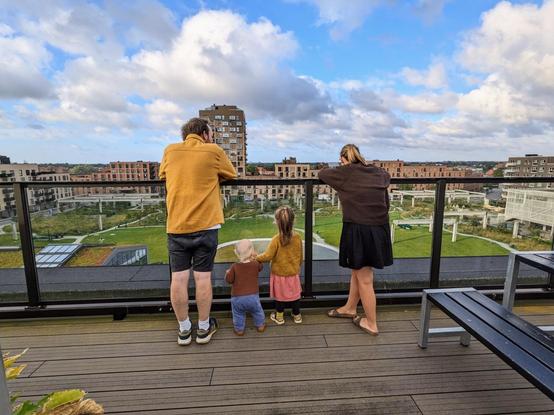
(120, 171)
(230, 132)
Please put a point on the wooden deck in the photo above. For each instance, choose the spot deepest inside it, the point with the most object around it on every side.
(324, 366)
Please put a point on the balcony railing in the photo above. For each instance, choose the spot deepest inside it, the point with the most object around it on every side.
(35, 300)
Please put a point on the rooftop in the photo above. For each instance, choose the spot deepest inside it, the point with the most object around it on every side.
(322, 366)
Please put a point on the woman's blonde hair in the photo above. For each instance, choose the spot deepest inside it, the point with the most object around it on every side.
(284, 217)
(352, 154)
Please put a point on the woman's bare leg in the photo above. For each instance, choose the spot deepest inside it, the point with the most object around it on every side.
(353, 296)
(367, 295)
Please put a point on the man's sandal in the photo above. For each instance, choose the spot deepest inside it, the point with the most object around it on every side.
(357, 323)
(335, 314)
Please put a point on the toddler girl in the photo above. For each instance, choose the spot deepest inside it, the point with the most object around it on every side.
(285, 253)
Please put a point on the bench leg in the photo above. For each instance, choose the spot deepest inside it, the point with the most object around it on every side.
(424, 321)
(511, 282)
(465, 339)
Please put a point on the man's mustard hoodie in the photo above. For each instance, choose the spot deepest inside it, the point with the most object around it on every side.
(192, 171)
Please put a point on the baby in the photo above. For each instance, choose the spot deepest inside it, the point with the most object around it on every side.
(243, 276)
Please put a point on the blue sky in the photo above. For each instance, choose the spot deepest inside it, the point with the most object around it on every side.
(419, 80)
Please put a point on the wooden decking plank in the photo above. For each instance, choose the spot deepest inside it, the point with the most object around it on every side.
(45, 328)
(126, 337)
(361, 338)
(183, 358)
(113, 381)
(171, 347)
(281, 392)
(523, 401)
(365, 406)
(356, 369)
(538, 320)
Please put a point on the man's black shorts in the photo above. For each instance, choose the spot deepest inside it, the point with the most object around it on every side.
(195, 249)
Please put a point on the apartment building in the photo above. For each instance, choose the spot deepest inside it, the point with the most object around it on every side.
(433, 171)
(531, 165)
(52, 176)
(230, 132)
(120, 171)
(38, 198)
(4, 160)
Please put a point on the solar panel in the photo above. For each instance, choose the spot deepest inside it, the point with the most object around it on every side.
(52, 256)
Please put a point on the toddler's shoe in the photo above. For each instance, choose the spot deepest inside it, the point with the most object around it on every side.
(277, 318)
(297, 318)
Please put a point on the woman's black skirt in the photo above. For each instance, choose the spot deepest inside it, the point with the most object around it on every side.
(365, 246)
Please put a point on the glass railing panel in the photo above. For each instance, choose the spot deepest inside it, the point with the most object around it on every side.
(99, 243)
(411, 208)
(13, 287)
(481, 230)
(249, 214)
(411, 217)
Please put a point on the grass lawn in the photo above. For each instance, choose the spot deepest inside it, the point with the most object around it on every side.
(11, 259)
(7, 240)
(413, 243)
(90, 256)
(156, 239)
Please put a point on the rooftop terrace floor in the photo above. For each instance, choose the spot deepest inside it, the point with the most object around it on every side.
(322, 366)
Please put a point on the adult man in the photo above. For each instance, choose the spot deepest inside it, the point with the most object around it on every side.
(193, 170)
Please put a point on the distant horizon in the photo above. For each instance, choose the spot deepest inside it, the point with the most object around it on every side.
(269, 162)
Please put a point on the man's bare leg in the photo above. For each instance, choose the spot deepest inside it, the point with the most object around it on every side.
(203, 282)
(179, 294)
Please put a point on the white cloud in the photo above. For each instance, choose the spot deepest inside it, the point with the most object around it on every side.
(434, 77)
(21, 62)
(165, 115)
(147, 23)
(77, 27)
(219, 57)
(343, 17)
(514, 46)
(425, 103)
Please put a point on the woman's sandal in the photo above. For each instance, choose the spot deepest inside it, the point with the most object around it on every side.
(357, 323)
(335, 314)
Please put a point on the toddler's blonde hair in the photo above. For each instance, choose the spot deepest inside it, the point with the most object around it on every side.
(244, 249)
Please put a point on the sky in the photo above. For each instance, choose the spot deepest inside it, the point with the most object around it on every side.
(418, 80)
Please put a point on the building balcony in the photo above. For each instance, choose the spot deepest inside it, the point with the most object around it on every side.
(134, 365)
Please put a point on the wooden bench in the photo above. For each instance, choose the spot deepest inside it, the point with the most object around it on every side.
(523, 346)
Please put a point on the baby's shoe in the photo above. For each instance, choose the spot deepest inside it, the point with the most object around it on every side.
(297, 318)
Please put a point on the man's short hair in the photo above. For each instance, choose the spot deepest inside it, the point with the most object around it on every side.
(195, 126)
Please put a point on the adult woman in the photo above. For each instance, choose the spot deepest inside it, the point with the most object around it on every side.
(365, 240)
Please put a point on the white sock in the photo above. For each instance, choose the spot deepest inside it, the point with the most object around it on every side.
(204, 324)
(185, 325)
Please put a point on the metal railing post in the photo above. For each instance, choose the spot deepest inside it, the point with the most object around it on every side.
(27, 246)
(308, 234)
(438, 219)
